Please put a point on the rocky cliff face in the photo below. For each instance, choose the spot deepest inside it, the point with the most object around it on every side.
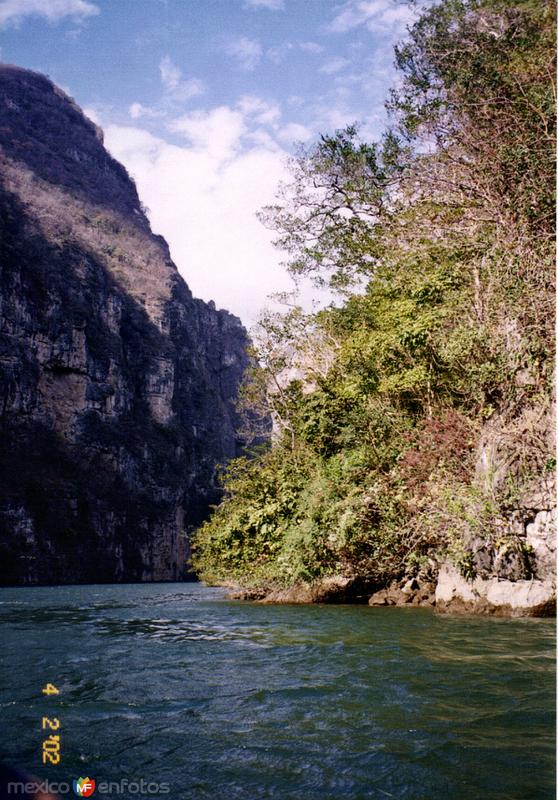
(117, 386)
(513, 574)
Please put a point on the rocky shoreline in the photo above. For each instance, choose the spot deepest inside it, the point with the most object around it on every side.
(448, 592)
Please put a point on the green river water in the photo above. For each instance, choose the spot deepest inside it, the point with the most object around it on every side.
(218, 700)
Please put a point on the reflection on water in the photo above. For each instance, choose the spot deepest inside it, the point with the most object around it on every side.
(239, 701)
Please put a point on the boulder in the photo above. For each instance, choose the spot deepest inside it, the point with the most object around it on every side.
(411, 592)
(379, 598)
(331, 589)
(410, 586)
(456, 594)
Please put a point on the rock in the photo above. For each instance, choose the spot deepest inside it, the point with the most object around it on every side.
(299, 594)
(426, 595)
(246, 594)
(331, 589)
(411, 593)
(379, 598)
(482, 556)
(508, 564)
(541, 537)
(410, 586)
(401, 598)
(540, 494)
(531, 524)
(456, 594)
(426, 600)
(118, 386)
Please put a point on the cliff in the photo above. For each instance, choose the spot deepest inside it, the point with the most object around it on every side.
(117, 386)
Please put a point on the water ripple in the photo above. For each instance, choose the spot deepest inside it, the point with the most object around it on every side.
(230, 701)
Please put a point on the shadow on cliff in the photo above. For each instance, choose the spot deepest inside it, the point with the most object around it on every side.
(46, 130)
(83, 507)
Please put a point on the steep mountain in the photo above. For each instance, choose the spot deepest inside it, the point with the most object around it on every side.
(117, 386)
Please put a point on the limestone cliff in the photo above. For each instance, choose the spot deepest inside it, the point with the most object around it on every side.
(512, 573)
(117, 386)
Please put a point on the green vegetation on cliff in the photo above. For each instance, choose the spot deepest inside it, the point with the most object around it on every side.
(439, 243)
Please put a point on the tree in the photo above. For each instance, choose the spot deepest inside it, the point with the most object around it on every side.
(328, 216)
(437, 240)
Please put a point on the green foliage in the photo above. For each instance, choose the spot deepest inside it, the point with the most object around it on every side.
(328, 220)
(446, 253)
(477, 75)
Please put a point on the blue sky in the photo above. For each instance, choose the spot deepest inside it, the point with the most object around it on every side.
(202, 100)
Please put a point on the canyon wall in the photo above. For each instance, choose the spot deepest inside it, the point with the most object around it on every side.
(118, 387)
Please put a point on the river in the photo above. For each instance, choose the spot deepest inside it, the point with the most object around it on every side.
(218, 700)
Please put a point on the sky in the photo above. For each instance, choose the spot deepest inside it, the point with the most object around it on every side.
(204, 101)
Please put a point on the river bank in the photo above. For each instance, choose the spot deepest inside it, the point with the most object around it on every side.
(444, 589)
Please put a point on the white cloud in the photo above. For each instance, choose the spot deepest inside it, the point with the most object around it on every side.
(374, 15)
(246, 52)
(294, 132)
(295, 101)
(262, 138)
(271, 5)
(92, 114)
(217, 132)
(170, 73)
(137, 110)
(334, 65)
(331, 118)
(259, 111)
(12, 12)
(311, 47)
(185, 90)
(278, 53)
(263, 112)
(203, 197)
(177, 88)
(397, 15)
